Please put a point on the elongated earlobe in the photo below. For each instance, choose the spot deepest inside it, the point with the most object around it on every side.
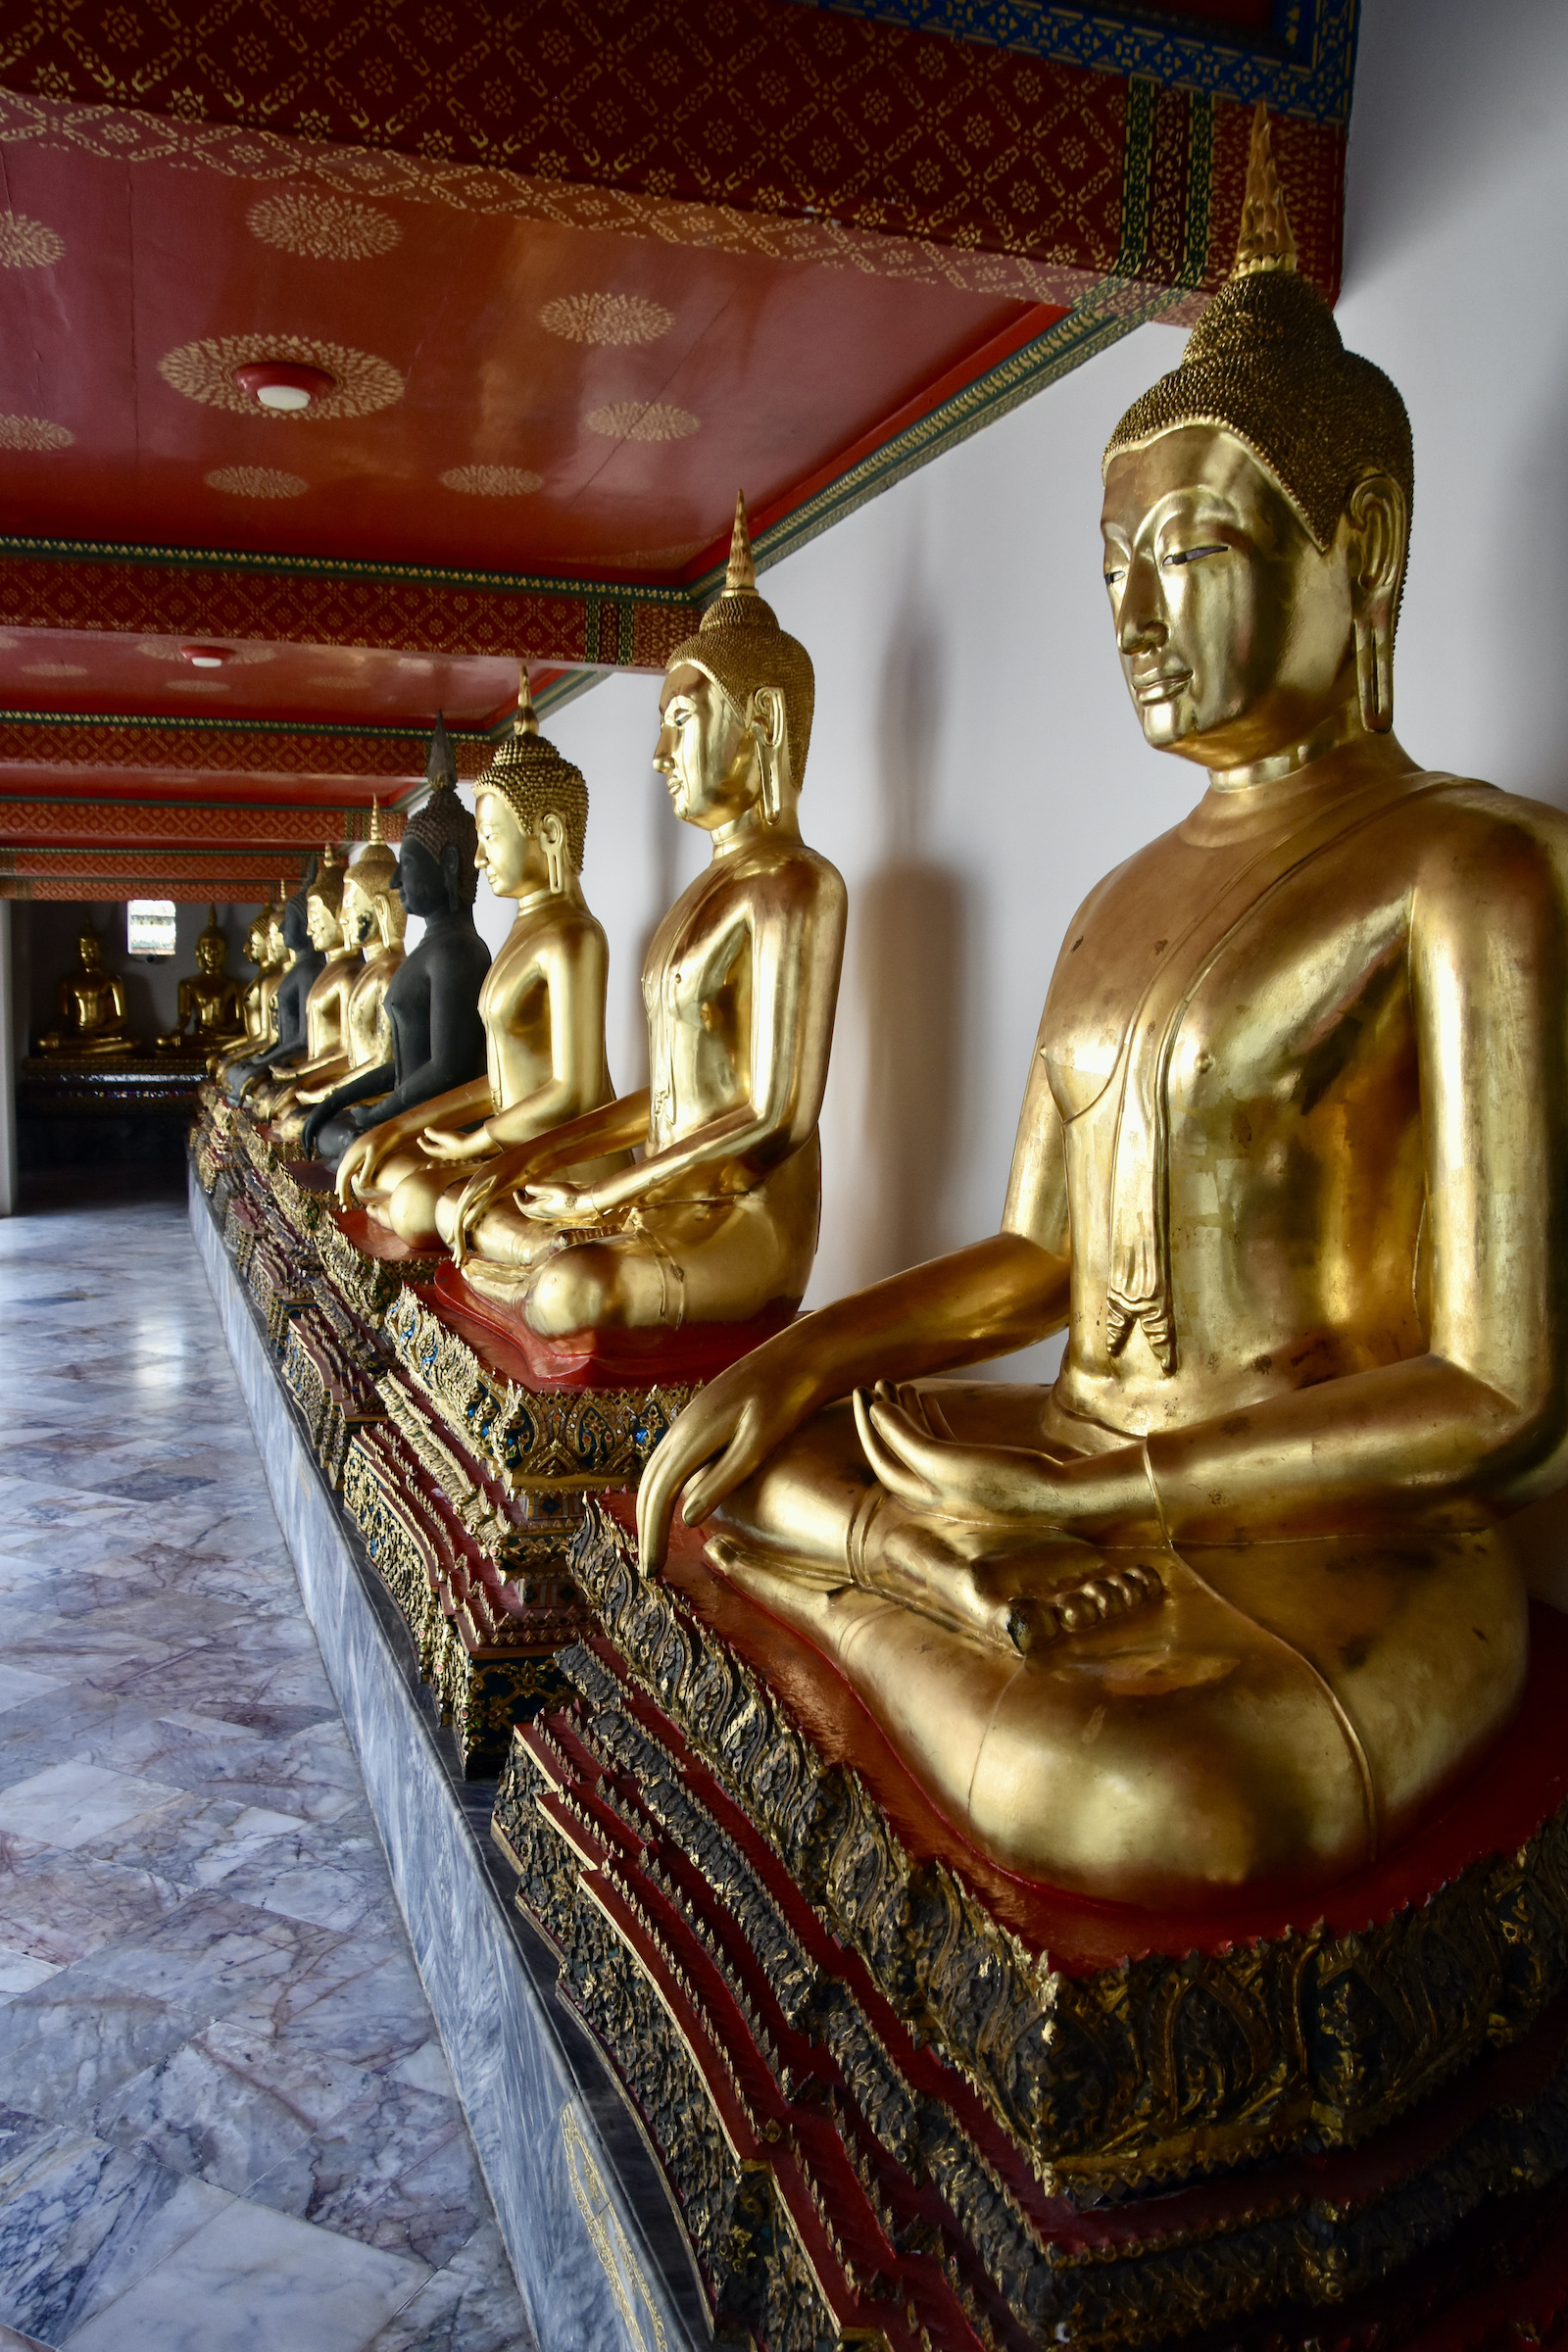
(1377, 509)
(771, 732)
(1373, 674)
(553, 841)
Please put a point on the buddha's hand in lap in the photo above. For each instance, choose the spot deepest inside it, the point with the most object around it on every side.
(497, 1180)
(356, 1168)
(447, 1143)
(1007, 1488)
(561, 1203)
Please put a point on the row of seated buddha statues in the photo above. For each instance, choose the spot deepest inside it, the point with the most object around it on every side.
(1231, 1603)
(95, 1017)
(524, 1169)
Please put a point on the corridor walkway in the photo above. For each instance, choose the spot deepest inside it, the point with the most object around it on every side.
(225, 2119)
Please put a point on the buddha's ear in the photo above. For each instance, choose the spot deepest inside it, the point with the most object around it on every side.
(1380, 526)
(452, 869)
(553, 841)
(771, 727)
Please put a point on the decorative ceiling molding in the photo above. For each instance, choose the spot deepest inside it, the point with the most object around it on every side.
(306, 600)
(106, 890)
(253, 749)
(765, 107)
(170, 865)
(185, 824)
(1305, 67)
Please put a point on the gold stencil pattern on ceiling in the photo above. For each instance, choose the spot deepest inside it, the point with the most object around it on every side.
(34, 433)
(204, 371)
(322, 228)
(642, 420)
(29, 244)
(606, 318)
(255, 481)
(492, 481)
(126, 136)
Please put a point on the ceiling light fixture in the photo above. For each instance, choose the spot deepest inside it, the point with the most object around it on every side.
(286, 386)
(205, 657)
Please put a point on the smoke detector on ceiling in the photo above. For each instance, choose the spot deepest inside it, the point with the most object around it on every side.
(288, 387)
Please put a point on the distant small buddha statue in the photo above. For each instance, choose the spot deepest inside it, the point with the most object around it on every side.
(373, 920)
(1231, 1605)
(303, 962)
(326, 1005)
(211, 1007)
(432, 1006)
(717, 1224)
(264, 948)
(542, 1003)
(92, 1007)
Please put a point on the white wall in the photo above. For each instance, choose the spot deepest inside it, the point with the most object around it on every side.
(975, 764)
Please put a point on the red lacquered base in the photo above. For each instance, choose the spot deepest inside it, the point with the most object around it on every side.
(963, 2110)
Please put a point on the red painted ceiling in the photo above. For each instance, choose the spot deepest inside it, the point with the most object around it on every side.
(66, 670)
(760, 371)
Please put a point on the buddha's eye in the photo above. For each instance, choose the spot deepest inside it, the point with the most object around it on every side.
(1113, 573)
(1188, 554)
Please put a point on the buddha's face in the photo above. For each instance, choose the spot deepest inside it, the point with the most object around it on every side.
(358, 911)
(1234, 630)
(705, 752)
(90, 949)
(212, 954)
(255, 943)
(322, 924)
(511, 860)
(276, 943)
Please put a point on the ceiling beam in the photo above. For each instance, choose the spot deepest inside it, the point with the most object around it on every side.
(110, 889)
(183, 824)
(262, 869)
(301, 600)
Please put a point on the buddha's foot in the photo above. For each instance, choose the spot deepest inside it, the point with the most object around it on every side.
(1022, 1604)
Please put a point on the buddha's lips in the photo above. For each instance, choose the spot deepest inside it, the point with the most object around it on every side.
(1163, 687)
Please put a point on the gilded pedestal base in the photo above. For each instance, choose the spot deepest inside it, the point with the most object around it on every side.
(968, 2113)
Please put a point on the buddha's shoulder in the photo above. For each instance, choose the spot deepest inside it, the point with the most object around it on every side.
(790, 868)
(1461, 830)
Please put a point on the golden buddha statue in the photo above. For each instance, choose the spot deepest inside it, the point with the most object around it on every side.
(1231, 1605)
(326, 1006)
(717, 1224)
(372, 922)
(92, 1007)
(212, 1009)
(267, 949)
(542, 1002)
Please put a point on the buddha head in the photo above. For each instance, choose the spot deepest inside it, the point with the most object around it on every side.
(530, 811)
(736, 706)
(256, 937)
(277, 937)
(369, 890)
(324, 902)
(211, 949)
(90, 947)
(1256, 516)
(436, 874)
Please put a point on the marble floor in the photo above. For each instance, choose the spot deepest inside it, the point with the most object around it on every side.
(225, 2118)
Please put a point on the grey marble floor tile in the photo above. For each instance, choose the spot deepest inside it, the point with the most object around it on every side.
(280, 2285)
(81, 2222)
(233, 2123)
(469, 2306)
